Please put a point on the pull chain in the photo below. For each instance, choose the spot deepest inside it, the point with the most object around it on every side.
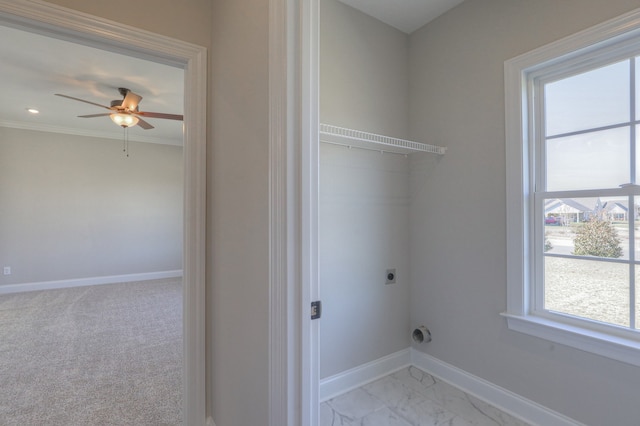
(125, 141)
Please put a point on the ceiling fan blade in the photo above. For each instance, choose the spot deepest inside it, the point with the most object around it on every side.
(160, 115)
(131, 101)
(94, 115)
(82, 100)
(144, 124)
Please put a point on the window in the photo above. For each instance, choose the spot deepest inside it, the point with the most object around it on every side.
(573, 190)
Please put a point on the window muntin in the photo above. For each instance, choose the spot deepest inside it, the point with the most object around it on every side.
(586, 255)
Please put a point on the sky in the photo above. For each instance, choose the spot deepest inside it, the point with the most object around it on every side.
(591, 100)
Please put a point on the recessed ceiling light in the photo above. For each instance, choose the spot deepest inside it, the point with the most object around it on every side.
(33, 111)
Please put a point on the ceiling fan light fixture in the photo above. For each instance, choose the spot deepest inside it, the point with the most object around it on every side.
(124, 120)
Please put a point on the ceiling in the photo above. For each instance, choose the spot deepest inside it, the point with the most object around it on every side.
(35, 67)
(405, 15)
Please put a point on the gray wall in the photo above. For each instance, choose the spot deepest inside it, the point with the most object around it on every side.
(364, 203)
(187, 20)
(458, 256)
(363, 72)
(77, 207)
(238, 234)
(364, 216)
(459, 104)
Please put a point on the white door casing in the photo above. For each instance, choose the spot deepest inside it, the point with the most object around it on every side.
(56, 21)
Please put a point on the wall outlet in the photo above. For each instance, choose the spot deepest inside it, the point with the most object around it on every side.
(6, 270)
(391, 276)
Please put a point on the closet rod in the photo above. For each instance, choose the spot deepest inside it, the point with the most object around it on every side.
(359, 139)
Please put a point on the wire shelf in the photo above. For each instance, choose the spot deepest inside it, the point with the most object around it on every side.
(359, 139)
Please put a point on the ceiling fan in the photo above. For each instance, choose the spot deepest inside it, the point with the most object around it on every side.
(125, 112)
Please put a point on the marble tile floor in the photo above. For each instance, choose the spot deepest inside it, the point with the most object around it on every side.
(411, 397)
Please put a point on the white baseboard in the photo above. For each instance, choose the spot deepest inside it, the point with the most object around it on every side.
(501, 398)
(80, 282)
(351, 379)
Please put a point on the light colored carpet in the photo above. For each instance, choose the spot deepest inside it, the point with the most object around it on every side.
(100, 355)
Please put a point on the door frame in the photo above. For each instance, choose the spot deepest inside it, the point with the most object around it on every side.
(294, 374)
(60, 22)
(309, 199)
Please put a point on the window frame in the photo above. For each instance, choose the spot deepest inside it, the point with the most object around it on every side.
(596, 45)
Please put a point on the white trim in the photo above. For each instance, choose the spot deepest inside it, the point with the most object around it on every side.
(81, 282)
(517, 188)
(289, 337)
(615, 30)
(340, 383)
(494, 395)
(616, 33)
(503, 399)
(280, 276)
(57, 21)
(195, 240)
(308, 161)
(301, 63)
(607, 345)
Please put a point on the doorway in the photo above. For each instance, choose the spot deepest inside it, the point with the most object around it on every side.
(82, 29)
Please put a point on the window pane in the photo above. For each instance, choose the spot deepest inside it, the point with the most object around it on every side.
(588, 289)
(585, 101)
(588, 161)
(633, 213)
(637, 88)
(594, 226)
(637, 297)
(637, 181)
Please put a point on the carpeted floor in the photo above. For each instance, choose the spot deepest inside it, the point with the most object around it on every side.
(100, 355)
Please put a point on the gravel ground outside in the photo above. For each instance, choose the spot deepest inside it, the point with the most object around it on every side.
(596, 290)
(589, 289)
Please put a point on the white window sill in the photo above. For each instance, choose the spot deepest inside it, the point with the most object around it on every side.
(614, 347)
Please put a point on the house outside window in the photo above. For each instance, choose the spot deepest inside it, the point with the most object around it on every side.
(573, 190)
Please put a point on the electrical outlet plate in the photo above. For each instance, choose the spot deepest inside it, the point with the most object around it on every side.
(6, 270)
(391, 276)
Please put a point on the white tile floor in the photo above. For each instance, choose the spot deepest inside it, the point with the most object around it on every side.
(411, 397)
